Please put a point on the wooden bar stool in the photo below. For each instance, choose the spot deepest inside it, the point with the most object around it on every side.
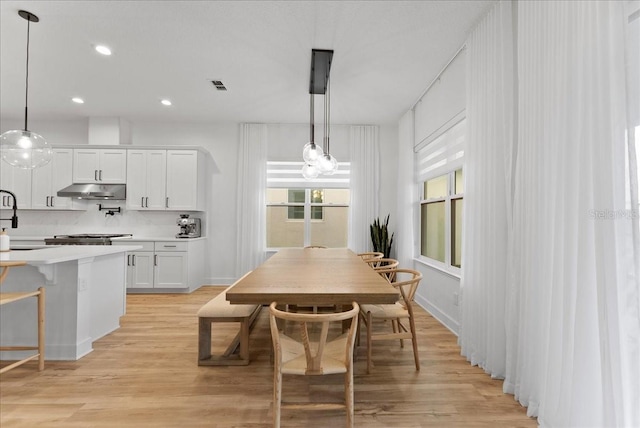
(14, 297)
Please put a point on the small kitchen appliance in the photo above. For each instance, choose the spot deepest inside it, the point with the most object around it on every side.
(189, 227)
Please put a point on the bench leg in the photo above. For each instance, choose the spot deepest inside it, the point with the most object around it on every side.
(204, 339)
(244, 339)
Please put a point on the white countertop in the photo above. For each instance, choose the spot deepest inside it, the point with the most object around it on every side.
(64, 253)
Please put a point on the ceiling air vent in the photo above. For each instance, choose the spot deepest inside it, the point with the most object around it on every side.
(218, 85)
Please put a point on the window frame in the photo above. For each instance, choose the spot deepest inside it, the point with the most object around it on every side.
(448, 199)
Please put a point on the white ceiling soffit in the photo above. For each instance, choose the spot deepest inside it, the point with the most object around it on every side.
(385, 54)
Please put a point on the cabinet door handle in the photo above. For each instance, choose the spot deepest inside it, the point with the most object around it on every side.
(47, 203)
(167, 203)
(4, 201)
(95, 175)
(155, 260)
(128, 259)
(146, 203)
(142, 202)
(52, 204)
(100, 175)
(169, 246)
(133, 259)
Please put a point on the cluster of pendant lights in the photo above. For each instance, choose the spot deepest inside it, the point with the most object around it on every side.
(20, 147)
(316, 160)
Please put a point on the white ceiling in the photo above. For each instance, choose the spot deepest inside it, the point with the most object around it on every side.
(385, 55)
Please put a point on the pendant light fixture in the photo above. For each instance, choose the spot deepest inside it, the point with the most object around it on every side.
(328, 165)
(316, 160)
(23, 148)
(312, 152)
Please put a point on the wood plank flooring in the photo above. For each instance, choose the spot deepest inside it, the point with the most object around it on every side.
(145, 375)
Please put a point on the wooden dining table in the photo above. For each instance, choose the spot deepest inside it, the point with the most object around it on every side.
(313, 276)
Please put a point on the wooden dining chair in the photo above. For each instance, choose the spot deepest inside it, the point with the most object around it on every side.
(17, 296)
(371, 255)
(309, 351)
(384, 264)
(406, 281)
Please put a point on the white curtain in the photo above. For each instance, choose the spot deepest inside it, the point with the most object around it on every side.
(252, 176)
(406, 191)
(557, 314)
(487, 200)
(571, 329)
(365, 185)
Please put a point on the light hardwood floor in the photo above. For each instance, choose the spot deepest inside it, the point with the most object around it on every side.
(145, 375)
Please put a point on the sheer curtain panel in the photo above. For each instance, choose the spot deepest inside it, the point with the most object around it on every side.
(571, 330)
(488, 165)
(365, 187)
(252, 178)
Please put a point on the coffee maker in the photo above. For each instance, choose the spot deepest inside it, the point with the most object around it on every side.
(189, 227)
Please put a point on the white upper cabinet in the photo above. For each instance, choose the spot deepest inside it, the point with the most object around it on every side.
(18, 181)
(100, 166)
(185, 181)
(54, 176)
(146, 179)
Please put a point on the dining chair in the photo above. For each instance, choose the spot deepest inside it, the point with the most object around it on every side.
(371, 255)
(384, 264)
(310, 350)
(406, 281)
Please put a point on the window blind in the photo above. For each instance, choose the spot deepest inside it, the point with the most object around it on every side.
(443, 154)
(288, 175)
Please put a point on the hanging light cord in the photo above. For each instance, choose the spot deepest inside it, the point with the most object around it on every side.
(26, 91)
(327, 107)
(311, 126)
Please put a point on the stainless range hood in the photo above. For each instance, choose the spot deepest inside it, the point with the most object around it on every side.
(91, 191)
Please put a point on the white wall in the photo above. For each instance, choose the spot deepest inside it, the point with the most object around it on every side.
(220, 220)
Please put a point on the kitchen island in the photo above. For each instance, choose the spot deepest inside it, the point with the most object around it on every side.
(86, 296)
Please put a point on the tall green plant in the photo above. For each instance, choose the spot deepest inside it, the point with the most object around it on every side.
(380, 237)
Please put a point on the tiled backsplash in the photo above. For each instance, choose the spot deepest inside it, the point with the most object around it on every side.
(141, 223)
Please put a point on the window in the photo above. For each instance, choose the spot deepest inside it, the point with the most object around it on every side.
(440, 239)
(297, 196)
(301, 217)
(440, 172)
(306, 212)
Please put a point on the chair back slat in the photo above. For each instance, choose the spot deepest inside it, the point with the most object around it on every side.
(314, 347)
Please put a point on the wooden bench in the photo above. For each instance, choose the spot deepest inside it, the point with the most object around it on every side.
(219, 310)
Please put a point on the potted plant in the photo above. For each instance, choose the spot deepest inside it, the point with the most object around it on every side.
(380, 237)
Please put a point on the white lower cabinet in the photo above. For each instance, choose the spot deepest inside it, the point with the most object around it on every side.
(140, 267)
(165, 265)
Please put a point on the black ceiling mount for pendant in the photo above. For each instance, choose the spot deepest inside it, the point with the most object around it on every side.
(320, 67)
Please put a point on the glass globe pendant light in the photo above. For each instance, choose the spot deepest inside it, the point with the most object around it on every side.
(312, 152)
(310, 171)
(23, 148)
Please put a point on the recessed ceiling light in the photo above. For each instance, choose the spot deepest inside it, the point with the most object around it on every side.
(103, 50)
(77, 100)
(166, 102)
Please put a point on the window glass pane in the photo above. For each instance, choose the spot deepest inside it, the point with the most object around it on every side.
(295, 213)
(296, 195)
(317, 196)
(280, 231)
(432, 230)
(459, 187)
(456, 232)
(332, 231)
(435, 188)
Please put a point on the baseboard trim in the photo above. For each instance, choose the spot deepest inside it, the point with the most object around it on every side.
(435, 312)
